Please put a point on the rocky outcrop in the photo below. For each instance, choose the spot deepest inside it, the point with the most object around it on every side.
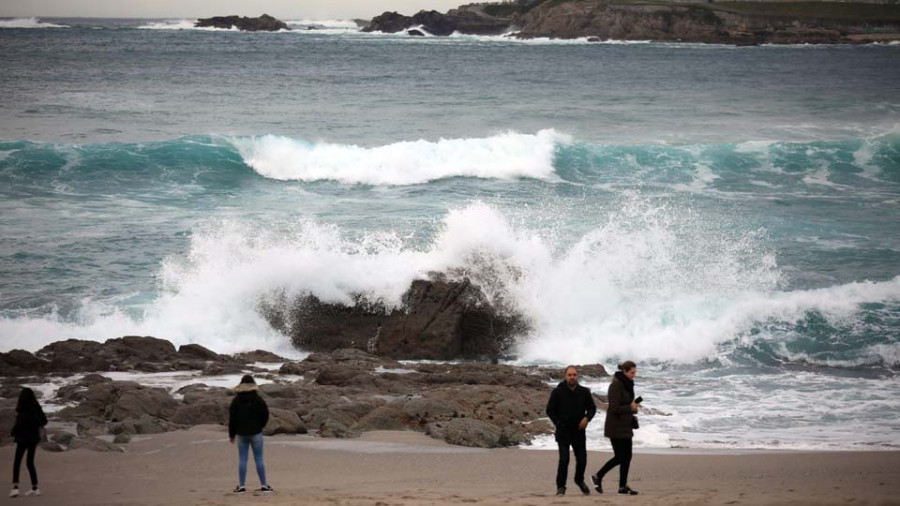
(710, 22)
(458, 20)
(129, 353)
(115, 401)
(264, 23)
(439, 320)
(339, 394)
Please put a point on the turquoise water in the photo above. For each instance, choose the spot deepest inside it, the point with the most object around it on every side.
(725, 216)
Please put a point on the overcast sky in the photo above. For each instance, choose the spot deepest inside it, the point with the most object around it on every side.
(283, 9)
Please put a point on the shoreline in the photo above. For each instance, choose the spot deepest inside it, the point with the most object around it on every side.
(402, 468)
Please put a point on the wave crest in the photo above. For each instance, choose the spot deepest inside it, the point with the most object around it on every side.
(505, 156)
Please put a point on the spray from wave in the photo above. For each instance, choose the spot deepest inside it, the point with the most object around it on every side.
(648, 280)
(28, 23)
(332, 24)
(183, 24)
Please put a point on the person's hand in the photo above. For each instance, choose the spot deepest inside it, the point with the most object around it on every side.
(634, 407)
(232, 440)
(583, 424)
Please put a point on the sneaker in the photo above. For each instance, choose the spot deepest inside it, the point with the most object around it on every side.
(14, 492)
(240, 489)
(627, 491)
(597, 485)
(266, 488)
(584, 488)
(561, 491)
(34, 491)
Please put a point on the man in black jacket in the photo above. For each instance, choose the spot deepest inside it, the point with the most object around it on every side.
(570, 408)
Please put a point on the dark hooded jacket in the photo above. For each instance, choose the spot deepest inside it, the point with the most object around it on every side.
(248, 414)
(567, 407)
(27, 428)
(618, 412)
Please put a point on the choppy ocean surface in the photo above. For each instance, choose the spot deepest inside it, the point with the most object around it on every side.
(727, 217)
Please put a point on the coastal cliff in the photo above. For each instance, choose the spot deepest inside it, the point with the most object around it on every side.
(740, 23)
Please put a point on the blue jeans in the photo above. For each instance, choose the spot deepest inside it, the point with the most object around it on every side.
(244, 443)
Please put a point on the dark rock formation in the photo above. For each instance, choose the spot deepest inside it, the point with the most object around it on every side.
(263, 23)
(259, 356)
(439, 320)
(415, 33)
(389, 22)
(711, 22)
(283, 421)
(462, 20)
(469, 432)
(116, 401)
(355, 392)
(129, 353)
(199, 352)
(339, 394)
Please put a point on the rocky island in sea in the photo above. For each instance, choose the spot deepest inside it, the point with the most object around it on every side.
(735, 22)
(264, 23)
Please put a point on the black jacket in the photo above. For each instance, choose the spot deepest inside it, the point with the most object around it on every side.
(27, 428)
(248, 414)
(567, 407)
(618, 413)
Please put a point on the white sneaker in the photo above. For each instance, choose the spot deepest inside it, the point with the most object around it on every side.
(14, 492)
(34, 491)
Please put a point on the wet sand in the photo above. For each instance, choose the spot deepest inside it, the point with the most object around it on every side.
(199, 467)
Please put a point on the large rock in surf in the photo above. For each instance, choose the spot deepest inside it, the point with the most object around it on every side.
(264, 23)
(439, 320)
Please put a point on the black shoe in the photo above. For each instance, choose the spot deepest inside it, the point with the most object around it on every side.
(627, 491)
(266, 488)
(561, 491)
(584, 488)
(239, 489)
(597, 485)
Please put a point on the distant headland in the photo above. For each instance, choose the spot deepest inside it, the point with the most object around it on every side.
(698, 21)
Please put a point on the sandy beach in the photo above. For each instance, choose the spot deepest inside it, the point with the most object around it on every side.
(199, 467)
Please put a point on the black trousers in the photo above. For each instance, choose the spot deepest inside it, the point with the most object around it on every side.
(579, 447)
(622, 458)
(21, 449)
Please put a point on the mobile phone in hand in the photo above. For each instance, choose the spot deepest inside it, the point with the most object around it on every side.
(639, 400)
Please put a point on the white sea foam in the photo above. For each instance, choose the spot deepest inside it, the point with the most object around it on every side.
(702, 177)
(504, 156)
(28, 23)
(346, 24)
(754, 146)
(647, 282)
(457, 38)
(182, 24)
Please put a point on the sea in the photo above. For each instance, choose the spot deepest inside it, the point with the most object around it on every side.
(727, 217)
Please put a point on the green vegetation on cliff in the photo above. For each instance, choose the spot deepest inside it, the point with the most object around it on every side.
(849, 11)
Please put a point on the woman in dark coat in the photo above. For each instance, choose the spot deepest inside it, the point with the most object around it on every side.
(620, 422)
(247, 417)
(30, 419)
